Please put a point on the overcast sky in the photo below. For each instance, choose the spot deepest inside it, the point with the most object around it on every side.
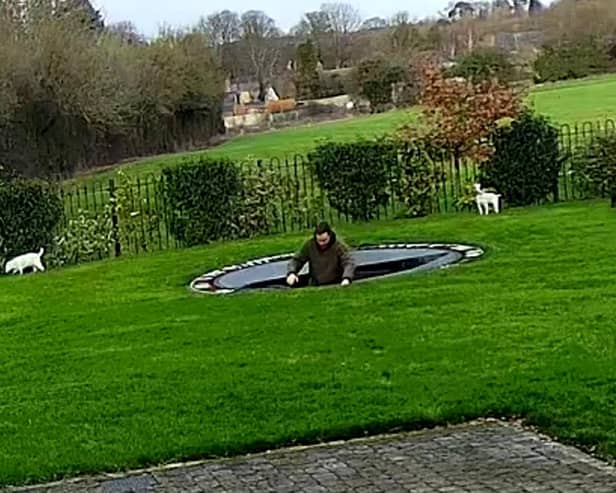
(147, 15)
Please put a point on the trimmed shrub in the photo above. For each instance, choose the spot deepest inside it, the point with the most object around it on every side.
(201, 197)
(485, 64)
(465, 201)
(421, 179)
(334, 83)
(307, 79)
(30, 212)
(526, 162)
(356, 176)
(593, 169)
(87, 236)
(258, 212)
(273, 201)
(374, 79)
(572, 61)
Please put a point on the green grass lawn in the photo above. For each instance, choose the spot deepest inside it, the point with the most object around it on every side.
(587, 100)
(592, 99)
(115, 364)
(277, 144)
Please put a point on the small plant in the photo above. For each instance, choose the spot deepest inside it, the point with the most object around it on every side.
(466, 200)
(86, 237)
(271, 201)
(137, 218)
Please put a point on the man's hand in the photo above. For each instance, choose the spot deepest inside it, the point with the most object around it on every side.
(292, 279)
(345, 282)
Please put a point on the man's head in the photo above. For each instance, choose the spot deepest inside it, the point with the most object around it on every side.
(324, 235)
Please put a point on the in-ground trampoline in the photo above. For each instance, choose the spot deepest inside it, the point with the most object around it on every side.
(372, 262)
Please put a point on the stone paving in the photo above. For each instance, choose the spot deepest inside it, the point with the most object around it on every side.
(482, 457)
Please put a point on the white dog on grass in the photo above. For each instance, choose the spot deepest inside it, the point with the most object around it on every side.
(19, 264)
(486, 199)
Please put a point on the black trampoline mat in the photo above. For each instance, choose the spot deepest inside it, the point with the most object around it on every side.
(372, 262)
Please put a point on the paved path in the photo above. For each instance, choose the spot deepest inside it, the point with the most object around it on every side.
(474, 458)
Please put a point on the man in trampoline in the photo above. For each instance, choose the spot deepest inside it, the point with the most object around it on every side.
(329, 259)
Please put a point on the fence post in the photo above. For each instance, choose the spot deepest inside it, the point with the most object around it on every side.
(114, 218)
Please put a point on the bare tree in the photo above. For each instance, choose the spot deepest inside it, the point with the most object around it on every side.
(402, 35)
(259, 33)
(125, 31)
(344, 19)
(14, 66)
(570, 20)
(70, 97)
(312, 25)
(221, 28)
(400, 19)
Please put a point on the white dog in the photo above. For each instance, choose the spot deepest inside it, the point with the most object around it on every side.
(486, 199)
(19, 264)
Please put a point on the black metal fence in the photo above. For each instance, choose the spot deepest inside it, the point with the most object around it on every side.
(140, 222)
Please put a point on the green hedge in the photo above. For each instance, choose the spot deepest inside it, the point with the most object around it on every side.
(484, 64)
(593, 168)
(202, 197)
(526, 162)
(572, 61)
(356, 176)
(374, 79)
(30, 213)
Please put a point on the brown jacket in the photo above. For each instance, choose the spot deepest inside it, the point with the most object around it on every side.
(328, 266)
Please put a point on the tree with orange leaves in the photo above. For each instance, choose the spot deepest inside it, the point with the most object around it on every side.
(459, 115)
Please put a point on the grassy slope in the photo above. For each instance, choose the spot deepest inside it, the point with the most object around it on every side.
(115, 365)
(279, 144)
(578, 101)
(589, 100)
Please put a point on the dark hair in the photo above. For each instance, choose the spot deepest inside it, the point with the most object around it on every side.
(323, 228)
